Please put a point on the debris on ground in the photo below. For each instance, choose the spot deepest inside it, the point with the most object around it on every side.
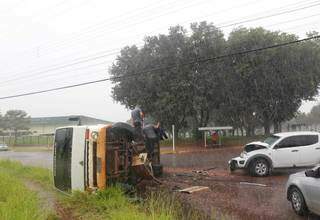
(193, 189)
(253, 184)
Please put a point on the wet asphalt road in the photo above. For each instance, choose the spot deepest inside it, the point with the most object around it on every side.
(228, 195)
(41, 159)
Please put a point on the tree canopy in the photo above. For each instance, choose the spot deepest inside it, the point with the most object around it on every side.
(167, 79)
(15, 121)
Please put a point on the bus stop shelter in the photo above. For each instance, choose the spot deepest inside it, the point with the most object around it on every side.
(218, 129)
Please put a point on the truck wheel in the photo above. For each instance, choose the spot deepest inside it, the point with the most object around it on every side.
(259, 167)
(232, 166)
(297, 201)
(157, 169)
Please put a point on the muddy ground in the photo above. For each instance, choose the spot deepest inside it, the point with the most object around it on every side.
(229, 195)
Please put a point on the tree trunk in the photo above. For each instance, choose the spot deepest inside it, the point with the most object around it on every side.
(277, 127)
(15, 137)
(266, 126)
(249, 130)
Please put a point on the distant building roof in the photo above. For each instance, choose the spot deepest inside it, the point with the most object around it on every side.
(61, 120)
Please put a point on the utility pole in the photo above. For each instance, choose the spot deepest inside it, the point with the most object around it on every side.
(173, 140)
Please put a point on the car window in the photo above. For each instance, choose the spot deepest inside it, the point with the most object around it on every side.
(309, 140)
(271, 140)
(299, 140)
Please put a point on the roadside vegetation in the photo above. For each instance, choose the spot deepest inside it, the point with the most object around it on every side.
(17, 201)
(112, 203)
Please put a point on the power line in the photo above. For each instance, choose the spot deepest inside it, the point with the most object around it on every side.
(175, 10)
(86, 60)
(113, 22)
(268, 16)
(73, 40)
(292, 20)
(36, 76)
(78, 38)
(240, 22)
(163, 68)
(84, 36)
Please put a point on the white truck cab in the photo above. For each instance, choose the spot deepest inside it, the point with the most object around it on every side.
(94, 157)
(281, 150)
(68, 159)
(79, 157)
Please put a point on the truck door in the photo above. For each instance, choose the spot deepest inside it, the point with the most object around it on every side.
(309, 150)
(286, 152)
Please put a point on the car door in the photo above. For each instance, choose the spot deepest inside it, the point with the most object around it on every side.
(309, 151)
(312, 191)
(285, 153)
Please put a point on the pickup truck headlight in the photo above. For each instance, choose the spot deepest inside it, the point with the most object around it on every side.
(243, 154)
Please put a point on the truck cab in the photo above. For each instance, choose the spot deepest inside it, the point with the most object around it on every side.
(94, 157)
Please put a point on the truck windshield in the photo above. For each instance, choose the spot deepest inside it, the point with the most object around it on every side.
(270, 140)
(62, 159)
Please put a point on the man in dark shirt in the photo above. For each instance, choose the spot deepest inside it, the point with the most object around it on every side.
(137, 116)
(160, 132)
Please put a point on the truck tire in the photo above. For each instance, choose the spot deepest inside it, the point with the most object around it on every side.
(259, 167)
(157, 169)
(121, 129)
(232, 166)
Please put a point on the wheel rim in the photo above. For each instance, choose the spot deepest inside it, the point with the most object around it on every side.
(261, 168)
(296, 201)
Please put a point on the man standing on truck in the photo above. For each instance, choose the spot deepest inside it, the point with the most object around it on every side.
(137, 117)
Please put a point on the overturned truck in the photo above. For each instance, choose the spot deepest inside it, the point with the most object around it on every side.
(95, 157)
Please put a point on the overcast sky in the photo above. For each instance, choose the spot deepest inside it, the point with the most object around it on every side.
(53, 43)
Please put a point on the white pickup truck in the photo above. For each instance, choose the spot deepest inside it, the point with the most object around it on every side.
(281, 150)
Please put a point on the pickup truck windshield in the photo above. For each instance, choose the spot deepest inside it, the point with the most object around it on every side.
(270, 140)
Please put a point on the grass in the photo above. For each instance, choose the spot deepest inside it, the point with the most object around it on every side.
(39, 175)
(112, 203)
(107, 204)
(168, 206)
(16, 201)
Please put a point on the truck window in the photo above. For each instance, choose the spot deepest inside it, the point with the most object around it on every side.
(62, 158)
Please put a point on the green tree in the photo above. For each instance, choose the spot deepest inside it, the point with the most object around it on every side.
(158, 91)
(15, 121)
(207, 89)
(181, 91)
(2, 126)
(263, 88)
(272, 83)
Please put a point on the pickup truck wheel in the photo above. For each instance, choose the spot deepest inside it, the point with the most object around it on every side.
(232, 166)
(259, 167)
(297, 201)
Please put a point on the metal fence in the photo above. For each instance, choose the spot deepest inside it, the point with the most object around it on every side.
(39, 140)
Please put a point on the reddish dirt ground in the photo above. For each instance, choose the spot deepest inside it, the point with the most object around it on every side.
(228, 195)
